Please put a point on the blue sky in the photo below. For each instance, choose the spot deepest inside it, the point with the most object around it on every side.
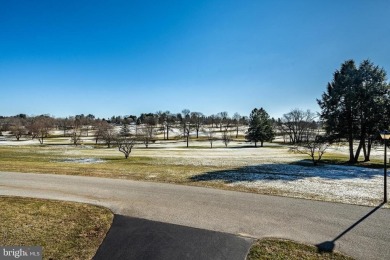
(127, 57)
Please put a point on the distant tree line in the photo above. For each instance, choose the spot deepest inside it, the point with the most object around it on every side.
(146, 125)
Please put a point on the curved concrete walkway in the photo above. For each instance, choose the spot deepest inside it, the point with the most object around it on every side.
(361, 232)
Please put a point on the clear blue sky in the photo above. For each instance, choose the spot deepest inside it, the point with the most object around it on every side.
(126, 57)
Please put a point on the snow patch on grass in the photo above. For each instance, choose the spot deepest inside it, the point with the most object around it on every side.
(82, 160)
(349, 184)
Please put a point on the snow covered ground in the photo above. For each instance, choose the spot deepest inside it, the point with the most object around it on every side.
(7, 141)
(82, 160)
(275, 170)
(349, 184)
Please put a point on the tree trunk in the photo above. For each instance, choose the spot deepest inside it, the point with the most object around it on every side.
(255, 144)
(367, 155)
(350, 144)
(261, 144)
(40, 138)
(361, 144)
(364, 151)
(314, 161)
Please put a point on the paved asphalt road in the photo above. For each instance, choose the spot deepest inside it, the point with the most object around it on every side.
(361, 232)
(133, 238)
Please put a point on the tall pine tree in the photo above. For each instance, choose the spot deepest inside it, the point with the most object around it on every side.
(355, 106)
(260, 127)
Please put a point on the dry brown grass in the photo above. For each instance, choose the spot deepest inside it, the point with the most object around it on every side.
(286, 249)
(65, 230)
(51, 160)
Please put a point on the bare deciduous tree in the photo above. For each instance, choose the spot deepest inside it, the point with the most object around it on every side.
(17, 128)
(64, 124)
(109, 135)
(125, 145)
(76, 138)
(197, 119)
(210, 135)
(236, 120)
(3, 124)
(226, 137)
(186, 124)
(146, 134)
(212, 120)
(299, 124)
(314, 148)
(169, 122)
(222, 118)
(40, 127)
(88, 122)
(100, 126)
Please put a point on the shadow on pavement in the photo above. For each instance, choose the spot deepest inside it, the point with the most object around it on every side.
(328, 246)
(134, 238)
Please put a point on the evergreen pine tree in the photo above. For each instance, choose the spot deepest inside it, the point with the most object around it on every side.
(260, 127)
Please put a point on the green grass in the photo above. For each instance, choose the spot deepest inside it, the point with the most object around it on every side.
(285, 249)
(342, 159)
(65, 230)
